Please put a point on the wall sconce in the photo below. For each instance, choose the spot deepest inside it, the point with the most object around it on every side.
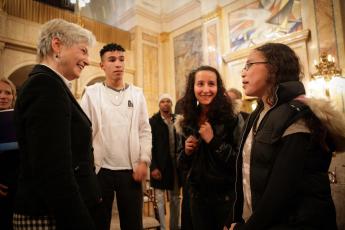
(327, 82)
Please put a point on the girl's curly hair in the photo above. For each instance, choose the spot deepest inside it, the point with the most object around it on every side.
(283, 65)
(221, 108)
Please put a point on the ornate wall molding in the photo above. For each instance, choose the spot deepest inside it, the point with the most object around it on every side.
(299, 36)
(212, 15)
(17, 45)
(149, 38)
(181, 11)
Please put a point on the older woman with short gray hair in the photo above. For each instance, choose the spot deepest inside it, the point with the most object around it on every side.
(57, 187)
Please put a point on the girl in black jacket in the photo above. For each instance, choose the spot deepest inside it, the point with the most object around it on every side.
(208, 149)
(286, 148)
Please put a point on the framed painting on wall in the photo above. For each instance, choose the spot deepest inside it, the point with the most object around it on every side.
(188, 55)
(258, 21)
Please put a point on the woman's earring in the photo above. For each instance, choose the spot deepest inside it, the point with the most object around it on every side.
(57, 56)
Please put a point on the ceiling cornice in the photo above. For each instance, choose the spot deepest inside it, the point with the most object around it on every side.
(158, 18)
(139, 10)
(171, 16)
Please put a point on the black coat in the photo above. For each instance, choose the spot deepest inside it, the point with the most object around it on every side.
(57, 175)
(161, 158)
(9, 164)
(210, 169)
(288, 175)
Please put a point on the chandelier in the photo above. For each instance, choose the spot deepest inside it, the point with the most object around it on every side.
(328, 82)
(80, 3)
(326, 67)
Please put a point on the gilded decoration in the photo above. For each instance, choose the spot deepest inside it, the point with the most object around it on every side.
(164, 37)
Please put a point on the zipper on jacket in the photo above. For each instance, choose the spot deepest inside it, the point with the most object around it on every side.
(240, 151)
(241, 148)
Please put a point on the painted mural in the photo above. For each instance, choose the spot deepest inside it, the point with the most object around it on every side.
(187, 56)
(263, 20)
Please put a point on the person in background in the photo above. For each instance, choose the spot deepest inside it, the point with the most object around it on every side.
(209, 148)
(186, 219)
(9, 161)
(121, 138)
(164, 174)
(236, 97)
(178, 106)
(57, 185)
(7, 94)
(286, 149)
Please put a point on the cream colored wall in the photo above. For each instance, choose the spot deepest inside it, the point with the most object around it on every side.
(17, 43)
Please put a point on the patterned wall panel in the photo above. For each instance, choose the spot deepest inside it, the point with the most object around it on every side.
(151, 75)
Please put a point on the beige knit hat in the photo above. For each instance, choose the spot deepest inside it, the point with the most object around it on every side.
(164, 96)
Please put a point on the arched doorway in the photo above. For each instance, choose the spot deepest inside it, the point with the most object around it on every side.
(93, 81)
(19, 76)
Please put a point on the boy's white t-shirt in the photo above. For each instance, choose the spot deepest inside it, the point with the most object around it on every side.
(117, 111)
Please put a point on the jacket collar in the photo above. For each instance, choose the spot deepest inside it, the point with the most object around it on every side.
(42, 69)
(289, 90)
(285, 92)
(159, 116)
(333, 119)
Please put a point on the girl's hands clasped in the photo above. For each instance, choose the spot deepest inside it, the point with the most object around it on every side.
(206, 132)
(191, 144)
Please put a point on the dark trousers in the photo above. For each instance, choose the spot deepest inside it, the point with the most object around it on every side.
(186, 217)
(6, 211)
(129, 196)
(211, 211)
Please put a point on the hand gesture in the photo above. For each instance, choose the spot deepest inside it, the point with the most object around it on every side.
(191, 145)
(231, 227)
(156, 174)
(206, 132)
